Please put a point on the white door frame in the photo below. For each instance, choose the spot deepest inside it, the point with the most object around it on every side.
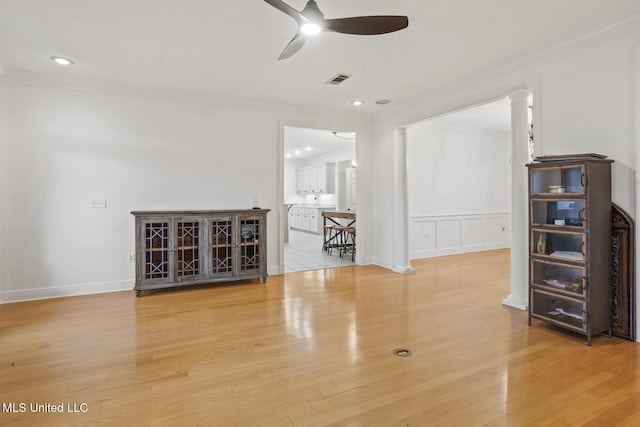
(362, 133)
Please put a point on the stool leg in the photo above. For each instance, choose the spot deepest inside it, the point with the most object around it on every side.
(353, 247)
(342, 243)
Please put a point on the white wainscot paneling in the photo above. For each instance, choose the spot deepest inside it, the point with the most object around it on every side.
(449, 234)
(454, 234)
(424, 236)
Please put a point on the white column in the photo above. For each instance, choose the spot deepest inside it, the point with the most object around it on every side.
(400, 204)
(519, 201)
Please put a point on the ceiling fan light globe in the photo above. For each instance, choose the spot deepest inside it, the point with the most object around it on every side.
(310, 29)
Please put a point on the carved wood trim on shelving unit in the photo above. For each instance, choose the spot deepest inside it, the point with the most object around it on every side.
(622, 274)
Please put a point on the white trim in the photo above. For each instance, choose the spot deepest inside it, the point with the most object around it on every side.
(49, 81)
(478, 223)
(515, 303)
(573, 46)
(65, 291)
(404, 109)
(363, 217)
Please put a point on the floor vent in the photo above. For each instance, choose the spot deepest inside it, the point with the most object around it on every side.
(402, 352)
(337, 79)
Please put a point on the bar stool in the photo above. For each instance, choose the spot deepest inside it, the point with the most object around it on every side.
(330, 234)
(347, 236)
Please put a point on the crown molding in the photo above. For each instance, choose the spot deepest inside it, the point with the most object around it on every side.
(51, 81)
(523, 63)
(575, 45)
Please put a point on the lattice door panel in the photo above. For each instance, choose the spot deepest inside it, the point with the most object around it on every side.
(156, 250)
(222, 246)
(187, 253)
(249, 244)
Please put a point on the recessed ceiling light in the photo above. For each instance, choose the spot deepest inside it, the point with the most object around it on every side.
(382, 101)
(357, 102)
(61, 61)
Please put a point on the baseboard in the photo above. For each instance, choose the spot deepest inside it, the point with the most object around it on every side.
(274, 270)
(515, 303)
(456, 251)
(65, 291)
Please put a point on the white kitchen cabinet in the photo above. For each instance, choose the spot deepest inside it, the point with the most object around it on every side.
(306, 218)
(318, 179)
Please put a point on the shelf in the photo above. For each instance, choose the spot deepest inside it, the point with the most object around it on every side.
(554, 306)
(570, 243)
(558, 213)
(563, 181)
(558, 244)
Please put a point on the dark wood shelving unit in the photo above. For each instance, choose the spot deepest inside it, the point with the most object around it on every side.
(570, 243)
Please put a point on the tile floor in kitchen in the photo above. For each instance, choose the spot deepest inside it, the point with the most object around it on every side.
(304, 252)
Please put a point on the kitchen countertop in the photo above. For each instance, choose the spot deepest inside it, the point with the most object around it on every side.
(314, 206)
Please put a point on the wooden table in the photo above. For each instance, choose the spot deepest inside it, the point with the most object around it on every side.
(329, 219)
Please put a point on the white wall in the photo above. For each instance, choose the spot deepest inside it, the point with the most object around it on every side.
(457, 170)
(584, 93)
(62, 147)
(458, 189)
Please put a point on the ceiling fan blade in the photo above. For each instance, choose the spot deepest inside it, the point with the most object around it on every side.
(294, 45)
(367, 25)
(282, 6)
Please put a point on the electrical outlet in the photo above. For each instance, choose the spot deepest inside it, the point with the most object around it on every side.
(98, 203)
(131, 258)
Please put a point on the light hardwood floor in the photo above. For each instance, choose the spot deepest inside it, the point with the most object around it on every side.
(312, 349)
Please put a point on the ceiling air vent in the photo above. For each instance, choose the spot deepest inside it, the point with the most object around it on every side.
(337, 79)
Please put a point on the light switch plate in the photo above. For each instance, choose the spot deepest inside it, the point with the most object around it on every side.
(99, 203)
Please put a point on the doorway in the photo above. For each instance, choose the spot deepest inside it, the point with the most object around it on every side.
(459, 181)
(319, 175)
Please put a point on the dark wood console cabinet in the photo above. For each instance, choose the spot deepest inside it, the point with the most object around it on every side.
(570, 243)
(178, 248)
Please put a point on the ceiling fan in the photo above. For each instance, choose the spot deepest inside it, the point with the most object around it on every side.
(311, 21)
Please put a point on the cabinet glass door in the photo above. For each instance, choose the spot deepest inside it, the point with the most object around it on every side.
(187, 252)
(156, 250)
(558, 244)
(561, 277)
(249, 244)
(558, 212)
(559, 309)
(558, 180)
(221, 246)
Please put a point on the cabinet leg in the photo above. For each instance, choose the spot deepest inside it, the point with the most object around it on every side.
(264, 279)
(138, 293)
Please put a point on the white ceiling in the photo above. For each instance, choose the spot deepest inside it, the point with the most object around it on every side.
(302, 143)
(230, 48)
